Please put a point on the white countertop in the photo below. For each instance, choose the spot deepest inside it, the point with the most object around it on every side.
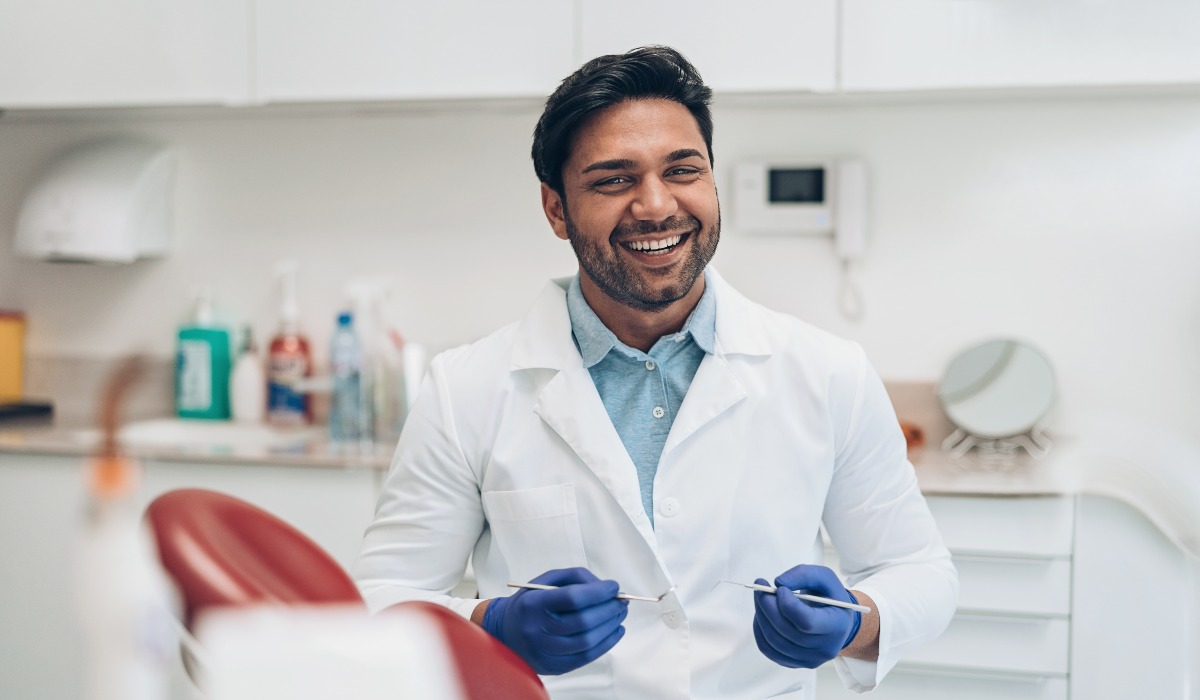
(1159, 478)
(171, 439)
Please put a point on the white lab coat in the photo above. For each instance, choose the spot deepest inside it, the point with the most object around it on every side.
(509, 456)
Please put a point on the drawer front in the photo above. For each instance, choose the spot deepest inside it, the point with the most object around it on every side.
(1030, 586)
(1023, 645)
(1023, 526)
(907, 684)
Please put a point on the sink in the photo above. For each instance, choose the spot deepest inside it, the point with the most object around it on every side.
(182, 433)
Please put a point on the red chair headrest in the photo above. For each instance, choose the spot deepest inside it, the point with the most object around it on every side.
(221, 551)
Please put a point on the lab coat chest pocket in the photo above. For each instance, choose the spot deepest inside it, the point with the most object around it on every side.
(536, 529)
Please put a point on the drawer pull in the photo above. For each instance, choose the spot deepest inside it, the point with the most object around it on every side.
(973, 674)
(979, 558)
(1019, 619)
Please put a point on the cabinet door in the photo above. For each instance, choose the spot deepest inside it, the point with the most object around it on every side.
(41, 518)
(331, 506)
(947, 44)
(382, 50)
(67, 53)
(749, 46)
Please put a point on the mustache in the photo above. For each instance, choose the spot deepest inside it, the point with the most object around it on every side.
(675, 223)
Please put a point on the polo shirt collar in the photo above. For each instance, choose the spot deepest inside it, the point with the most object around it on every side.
(595, 340)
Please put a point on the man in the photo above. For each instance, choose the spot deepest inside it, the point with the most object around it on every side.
(646, 427)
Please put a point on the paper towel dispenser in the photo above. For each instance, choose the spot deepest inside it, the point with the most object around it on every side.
(104, 201)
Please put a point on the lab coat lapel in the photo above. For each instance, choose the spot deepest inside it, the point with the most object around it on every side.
(740, 331)
(570, 405)
(714, 390)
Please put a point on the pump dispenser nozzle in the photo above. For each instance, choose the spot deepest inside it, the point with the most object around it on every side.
(289, 310)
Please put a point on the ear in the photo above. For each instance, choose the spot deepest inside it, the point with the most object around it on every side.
(552, 205)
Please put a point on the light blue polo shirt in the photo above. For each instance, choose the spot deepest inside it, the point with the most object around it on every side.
(642, 392)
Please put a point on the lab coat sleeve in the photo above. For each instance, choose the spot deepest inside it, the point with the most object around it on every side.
(429, 515)
(878, 521)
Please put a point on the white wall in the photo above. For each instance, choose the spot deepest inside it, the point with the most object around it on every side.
(1072, 223)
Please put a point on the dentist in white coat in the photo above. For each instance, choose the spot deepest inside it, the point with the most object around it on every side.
(646, 426)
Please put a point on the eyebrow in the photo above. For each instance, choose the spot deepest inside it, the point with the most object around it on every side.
(628, 164)
(681, 154)
(614, 164)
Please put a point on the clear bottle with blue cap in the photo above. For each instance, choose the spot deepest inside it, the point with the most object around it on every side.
(349, 419)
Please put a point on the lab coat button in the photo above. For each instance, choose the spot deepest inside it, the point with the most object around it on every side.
(671, 619)
(650, 365)
(659, 412)
(668, 507)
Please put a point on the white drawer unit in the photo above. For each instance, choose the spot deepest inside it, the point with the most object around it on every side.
(1011, 585)
(999, 643)
(1010, 637)
(1006, 526)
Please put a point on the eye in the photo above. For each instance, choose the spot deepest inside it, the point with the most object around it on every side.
(615, 182)
(683, 173)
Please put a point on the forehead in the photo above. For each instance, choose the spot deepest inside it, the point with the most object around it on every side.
(639, 130)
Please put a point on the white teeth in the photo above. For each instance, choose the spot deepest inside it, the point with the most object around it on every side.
(655, 245)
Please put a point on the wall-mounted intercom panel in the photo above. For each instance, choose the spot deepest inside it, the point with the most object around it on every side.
(817, 197)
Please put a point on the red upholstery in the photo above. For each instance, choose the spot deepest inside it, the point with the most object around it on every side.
(224, 551)
(487, 668)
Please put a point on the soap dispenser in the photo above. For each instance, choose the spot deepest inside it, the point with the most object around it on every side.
(202, 364)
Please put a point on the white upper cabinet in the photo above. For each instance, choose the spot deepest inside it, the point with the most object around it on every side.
(746, 46)
(84, 53)
(951, 44)
(322, 50)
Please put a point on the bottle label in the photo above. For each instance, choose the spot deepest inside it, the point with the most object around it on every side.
(195, 375)
(285, 404)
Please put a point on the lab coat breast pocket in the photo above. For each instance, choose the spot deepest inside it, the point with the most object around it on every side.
(536, 529)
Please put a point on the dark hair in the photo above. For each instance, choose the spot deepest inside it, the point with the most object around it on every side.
(646, 72)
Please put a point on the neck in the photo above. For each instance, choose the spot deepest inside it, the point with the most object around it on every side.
(635, 327)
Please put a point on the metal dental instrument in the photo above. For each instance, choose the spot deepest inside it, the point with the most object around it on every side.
(805, 596)
(620, 596)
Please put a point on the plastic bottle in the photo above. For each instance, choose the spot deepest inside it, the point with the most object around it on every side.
(202, 364)
(349, 412)
(248, 383)
(289, 359)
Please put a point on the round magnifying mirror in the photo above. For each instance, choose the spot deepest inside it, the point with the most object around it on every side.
(998, 389)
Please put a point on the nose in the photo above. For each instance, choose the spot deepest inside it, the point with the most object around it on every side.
(653, 201)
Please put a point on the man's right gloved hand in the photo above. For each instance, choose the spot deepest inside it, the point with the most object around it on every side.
(559, 630)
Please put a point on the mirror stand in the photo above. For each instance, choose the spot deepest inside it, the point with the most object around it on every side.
(1034, 442)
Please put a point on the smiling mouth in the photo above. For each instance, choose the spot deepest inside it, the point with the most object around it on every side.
(656, 246)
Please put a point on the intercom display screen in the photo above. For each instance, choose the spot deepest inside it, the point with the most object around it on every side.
(797, 185)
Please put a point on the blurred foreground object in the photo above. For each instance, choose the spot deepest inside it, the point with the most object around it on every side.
(125, 602)
(292, 653)
(225, 553)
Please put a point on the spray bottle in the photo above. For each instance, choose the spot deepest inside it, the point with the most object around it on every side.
(289, 358)
(383, 365)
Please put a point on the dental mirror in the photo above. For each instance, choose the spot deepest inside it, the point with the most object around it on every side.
(996, 393)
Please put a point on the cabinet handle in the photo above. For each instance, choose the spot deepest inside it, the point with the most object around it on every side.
(973, 674)
(1006, 559)
(1008, 619)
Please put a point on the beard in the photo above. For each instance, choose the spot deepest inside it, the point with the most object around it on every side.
(627, 284)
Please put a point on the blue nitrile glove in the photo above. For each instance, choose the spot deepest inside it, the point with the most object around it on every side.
(799, 634)
(560, 630)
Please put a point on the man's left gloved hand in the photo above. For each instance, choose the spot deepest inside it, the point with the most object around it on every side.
(798, 634)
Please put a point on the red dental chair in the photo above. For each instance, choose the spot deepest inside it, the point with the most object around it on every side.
(222, 551)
